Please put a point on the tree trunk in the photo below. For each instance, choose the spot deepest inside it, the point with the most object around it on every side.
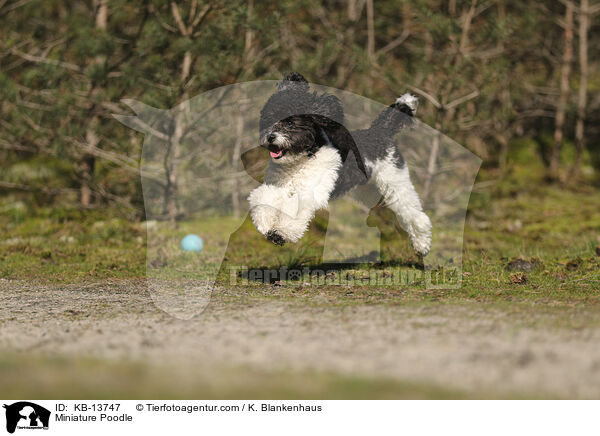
(181, 117)
(173, 161)
(561, 109)
(503, 153)
(467, 21)
(352, 10)
(452, 7)
(172, 187)
(249, 35)
(435, 147)
(101, 13)
(235, 165)
(87, 165)
(582, 93)
(503, 131)
(370, 30)
(344, 69)
(91, 137)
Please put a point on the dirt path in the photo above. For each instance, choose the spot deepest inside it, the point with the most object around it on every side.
(467, 347)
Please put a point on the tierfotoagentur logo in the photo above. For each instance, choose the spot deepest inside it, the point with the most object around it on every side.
(223, 210)
(25, 415)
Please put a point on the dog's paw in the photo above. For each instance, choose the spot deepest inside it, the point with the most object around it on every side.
(422, 246)
(275, 237)
(420, 235)
(264, 218)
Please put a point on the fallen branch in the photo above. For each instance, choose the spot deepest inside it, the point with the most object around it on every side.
(41, 60)
(44, 189)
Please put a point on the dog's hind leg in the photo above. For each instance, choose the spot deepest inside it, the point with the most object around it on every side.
(393, 181)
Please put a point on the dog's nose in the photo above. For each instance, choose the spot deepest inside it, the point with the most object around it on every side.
(271, 137)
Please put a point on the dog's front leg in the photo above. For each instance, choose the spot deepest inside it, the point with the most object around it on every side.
(291, 228)
(280, 215)
(265, 204)
(283, 214)
(297, 213)
(271, 207)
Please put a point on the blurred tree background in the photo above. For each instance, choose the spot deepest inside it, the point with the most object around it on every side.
(514, 81)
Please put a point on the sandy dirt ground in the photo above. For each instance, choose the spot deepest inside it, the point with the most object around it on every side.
(468, 347)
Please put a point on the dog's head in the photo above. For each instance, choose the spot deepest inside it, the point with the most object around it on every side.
(290, 120)
(293, 137)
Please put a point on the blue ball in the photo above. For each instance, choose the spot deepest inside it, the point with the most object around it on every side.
(192, 243)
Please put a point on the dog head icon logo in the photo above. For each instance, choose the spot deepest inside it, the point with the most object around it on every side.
(26, 415)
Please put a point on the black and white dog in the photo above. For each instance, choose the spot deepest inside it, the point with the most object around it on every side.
(314, 159)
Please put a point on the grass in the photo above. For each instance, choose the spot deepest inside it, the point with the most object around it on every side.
(522, 242)
(75, 247)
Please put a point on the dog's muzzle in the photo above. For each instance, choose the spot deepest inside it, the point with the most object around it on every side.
(270, 142)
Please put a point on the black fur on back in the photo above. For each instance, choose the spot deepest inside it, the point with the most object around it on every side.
(323, 116)
(293, 98)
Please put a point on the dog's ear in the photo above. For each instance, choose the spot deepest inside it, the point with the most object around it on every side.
(295, 81)
(340, 138)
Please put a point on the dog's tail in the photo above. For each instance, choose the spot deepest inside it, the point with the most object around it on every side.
(397, 116)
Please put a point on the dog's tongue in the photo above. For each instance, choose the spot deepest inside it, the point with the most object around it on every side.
(276, 154)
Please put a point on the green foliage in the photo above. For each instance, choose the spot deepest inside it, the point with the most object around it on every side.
(62, 76)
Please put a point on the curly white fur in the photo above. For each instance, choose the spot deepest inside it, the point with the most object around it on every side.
(293, 191)
(400, 196)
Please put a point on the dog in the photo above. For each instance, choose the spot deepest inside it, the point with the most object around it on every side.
(315, 159)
